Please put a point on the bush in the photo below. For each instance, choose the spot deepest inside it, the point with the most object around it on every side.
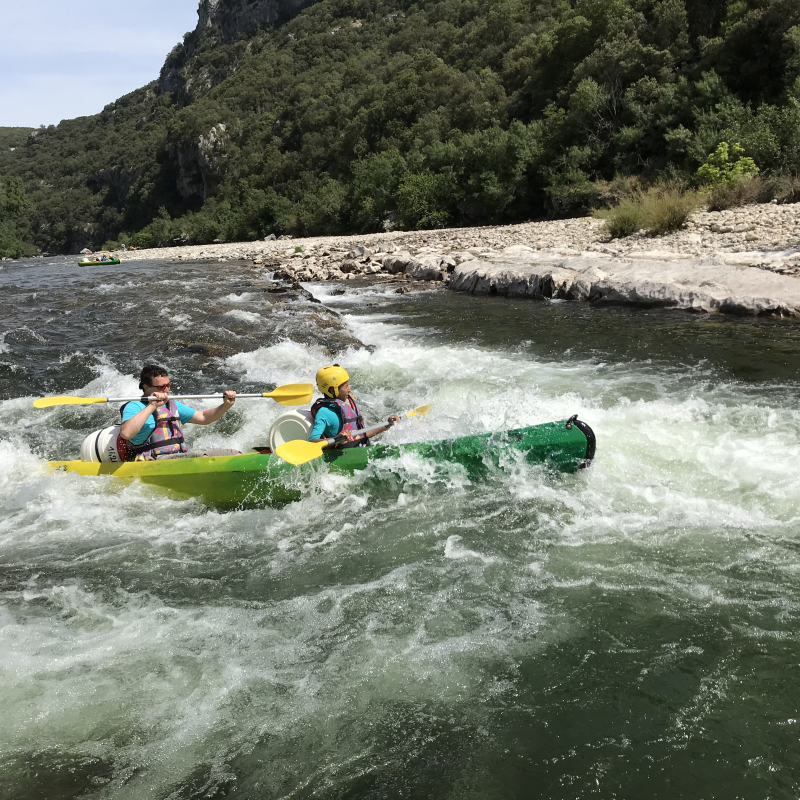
(11, 245)
(426, 200)
(783, 188)
(751, 189)
(661, 209)
(667, 208)
(624, 219)
(142, 240)
(727, 166)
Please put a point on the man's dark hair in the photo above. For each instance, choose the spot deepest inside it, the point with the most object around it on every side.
(150, 371)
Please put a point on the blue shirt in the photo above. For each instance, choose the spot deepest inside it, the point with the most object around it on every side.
(326, 424)
(135, 406)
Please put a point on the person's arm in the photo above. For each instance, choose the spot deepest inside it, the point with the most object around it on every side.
(130, 427)
(375, 431)
(209, 415)
(325, 420)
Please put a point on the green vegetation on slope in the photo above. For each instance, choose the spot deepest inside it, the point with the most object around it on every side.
(359, 114)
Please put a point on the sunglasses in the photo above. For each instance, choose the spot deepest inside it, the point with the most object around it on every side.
(160, 387)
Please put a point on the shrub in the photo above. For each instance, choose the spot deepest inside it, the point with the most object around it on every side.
(612, 193)
(667, 208)
(783, 188)
(623, 219)
(571, 193)
(751, 189)
(727, 166)
(11, 245)
(426, 200)
(142, 240)
(662, 208)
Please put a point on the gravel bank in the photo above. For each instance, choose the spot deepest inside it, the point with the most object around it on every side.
(675, 270)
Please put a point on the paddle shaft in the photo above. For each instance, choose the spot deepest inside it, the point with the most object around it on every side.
(361, 434)
(183, 397)
(293, 394)
(421, 411)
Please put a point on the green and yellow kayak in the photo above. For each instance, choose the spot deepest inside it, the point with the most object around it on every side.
(254, 480)
(109, 262)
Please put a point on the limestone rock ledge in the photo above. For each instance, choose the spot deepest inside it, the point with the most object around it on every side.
(705, 284)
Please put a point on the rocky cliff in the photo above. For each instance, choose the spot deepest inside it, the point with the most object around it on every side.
(233, 19)
(222, 22)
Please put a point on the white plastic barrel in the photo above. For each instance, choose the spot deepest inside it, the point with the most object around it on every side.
(104, 446)
(289, 426)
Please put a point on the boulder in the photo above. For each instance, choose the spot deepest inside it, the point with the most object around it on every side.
(420, 271)
(447, 263)
(350, 265)
(518, 251)
(358, 253)
(397, 262)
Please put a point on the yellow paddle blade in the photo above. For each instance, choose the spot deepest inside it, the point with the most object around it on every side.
(421, 411)
(293, 394)
(300, 451)
(66, 400)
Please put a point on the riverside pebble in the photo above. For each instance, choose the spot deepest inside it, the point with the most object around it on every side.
(721, 261)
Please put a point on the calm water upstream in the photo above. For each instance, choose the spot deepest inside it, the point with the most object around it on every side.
(632, 631)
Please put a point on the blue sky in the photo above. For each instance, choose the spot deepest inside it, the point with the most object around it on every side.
(68, 58)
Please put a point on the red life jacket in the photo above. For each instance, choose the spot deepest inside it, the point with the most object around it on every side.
(166, 439)
(349, 415)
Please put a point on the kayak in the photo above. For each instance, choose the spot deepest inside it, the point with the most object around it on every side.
(254, 480)
(109, 262)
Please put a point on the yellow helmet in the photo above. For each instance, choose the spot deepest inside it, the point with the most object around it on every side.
(329, 379)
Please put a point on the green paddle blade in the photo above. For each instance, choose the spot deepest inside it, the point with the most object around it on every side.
(421, 411)
(299, 451)
(293, 394)
(66, 400)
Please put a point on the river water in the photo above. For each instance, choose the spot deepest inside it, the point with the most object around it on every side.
(627, 631)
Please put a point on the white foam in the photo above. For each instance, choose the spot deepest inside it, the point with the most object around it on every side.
(244, 316)
(454, 549)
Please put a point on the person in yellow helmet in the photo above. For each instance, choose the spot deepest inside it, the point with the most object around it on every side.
(337, 413)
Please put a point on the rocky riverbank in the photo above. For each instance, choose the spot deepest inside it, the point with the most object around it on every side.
(719, 262)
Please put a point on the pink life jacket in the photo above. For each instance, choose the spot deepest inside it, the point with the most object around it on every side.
(349, 415)
(166, 439)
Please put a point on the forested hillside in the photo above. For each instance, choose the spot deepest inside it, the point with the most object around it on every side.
(358, 115)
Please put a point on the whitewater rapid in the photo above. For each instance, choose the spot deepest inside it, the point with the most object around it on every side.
(406, 631)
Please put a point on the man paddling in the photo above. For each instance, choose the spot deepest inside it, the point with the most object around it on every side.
(338, 413)
(154, 428)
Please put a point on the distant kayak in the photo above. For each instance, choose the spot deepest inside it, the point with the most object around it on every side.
(253, 479)
(109, 262)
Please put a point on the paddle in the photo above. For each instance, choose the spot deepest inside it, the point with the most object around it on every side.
(293, 394)
(299, 451)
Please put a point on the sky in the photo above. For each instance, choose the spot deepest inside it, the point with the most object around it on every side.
(61, 59)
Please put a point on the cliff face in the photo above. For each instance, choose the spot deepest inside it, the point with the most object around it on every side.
(237, 18)
(226, 21)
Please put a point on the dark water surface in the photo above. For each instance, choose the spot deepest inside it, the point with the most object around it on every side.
(630, 631)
